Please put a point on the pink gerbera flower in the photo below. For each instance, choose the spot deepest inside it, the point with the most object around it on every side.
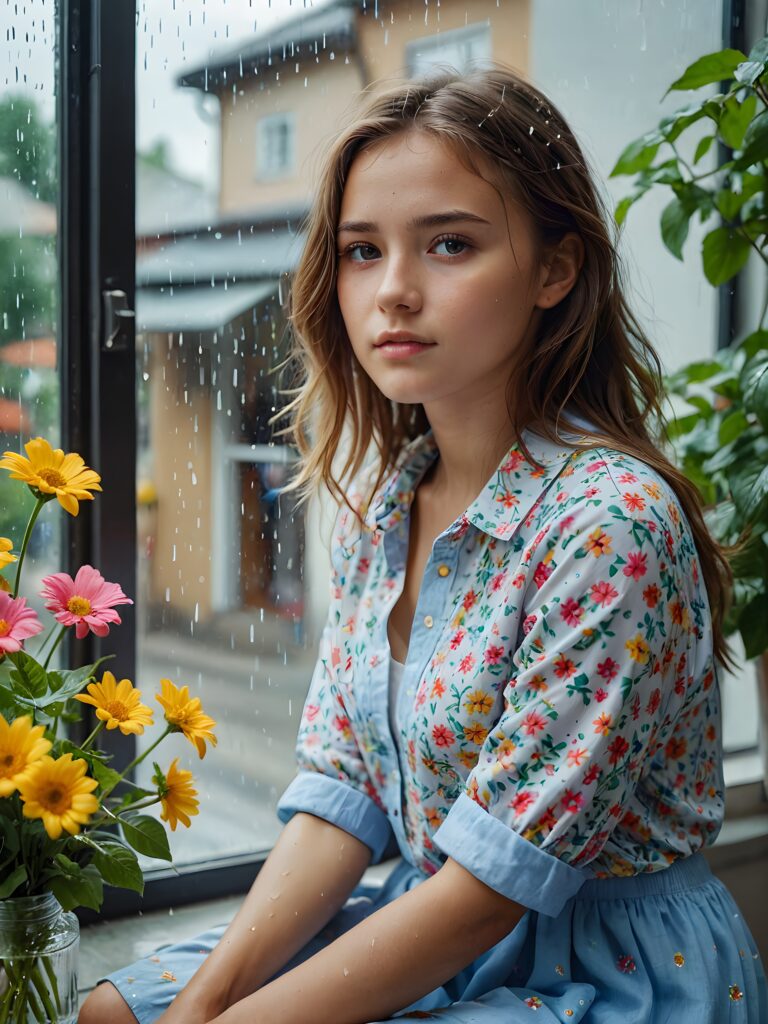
(85, 602)
(17, 623)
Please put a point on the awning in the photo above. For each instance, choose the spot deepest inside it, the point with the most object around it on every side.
(197, 309)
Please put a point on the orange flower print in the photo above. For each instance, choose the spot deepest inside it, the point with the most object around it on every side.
(603, 723)
(538, 684)
(651, 595)
(633, 502)
(434, 819)
(475, 733)
(438, 688)
(564, 667)
(504, 753)
(676, 747)
(478, 702)
(473, 792)
(576, 757)
(533, 723)
(469, 758)
(638, 649)
(599, 543)
(653, 491)
(443, 736)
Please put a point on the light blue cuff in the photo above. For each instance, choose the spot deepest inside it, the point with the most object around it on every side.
(339, 803)
(505, 861)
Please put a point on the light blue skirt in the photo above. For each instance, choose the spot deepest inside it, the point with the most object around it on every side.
(664, 948)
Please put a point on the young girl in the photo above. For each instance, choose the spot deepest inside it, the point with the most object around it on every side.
(516, 687)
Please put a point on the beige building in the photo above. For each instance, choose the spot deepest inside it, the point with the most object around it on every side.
(209, 302)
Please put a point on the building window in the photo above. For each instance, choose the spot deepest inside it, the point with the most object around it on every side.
(275, 146)
(461, 48)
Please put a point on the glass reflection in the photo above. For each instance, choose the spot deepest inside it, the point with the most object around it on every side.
(29, 388)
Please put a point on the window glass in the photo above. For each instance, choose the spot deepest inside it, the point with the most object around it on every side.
(233, 582)
(29, 348)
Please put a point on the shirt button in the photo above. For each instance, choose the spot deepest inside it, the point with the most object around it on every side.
(443, 570)
(428, 621)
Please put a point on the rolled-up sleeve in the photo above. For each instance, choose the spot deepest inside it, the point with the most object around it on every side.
(589, 700)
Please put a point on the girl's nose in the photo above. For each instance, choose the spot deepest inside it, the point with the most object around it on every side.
(398, 287)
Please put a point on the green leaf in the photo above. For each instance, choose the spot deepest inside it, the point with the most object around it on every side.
(107, 778)
(735, 119)
(755, 144)
(675, 219)
(702, 147)
(754, 343)
(749, 488)
(146, 835)
(637, 155)
(753, 626)
(749, 71)
(754, 383)
(74, 886)
(69, 683)
(118, 866)
(623, 206)
(732, 426)
(759, 51)
(724, 253)
(12, 882)
(681, 425)
(714, 67)
(28, 674)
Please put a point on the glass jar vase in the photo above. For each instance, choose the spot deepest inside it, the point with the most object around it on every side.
(38, 961)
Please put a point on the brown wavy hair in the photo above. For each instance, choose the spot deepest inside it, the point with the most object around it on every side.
(591, 354)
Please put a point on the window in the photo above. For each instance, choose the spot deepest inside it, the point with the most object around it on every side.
(274, 146)
(461, 48)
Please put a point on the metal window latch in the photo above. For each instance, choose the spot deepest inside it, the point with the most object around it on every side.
(118, 336)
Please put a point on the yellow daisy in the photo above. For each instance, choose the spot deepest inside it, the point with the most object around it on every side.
(6, 546)
(21, 744)
(59, 792)
(50, 473)
(118, 704)
(186, 715)
(177, 796)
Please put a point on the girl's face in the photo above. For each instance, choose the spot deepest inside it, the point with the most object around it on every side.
(429, 250)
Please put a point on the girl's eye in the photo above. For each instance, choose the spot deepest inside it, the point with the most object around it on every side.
(360, 247)
(364, 252)
(451, 241)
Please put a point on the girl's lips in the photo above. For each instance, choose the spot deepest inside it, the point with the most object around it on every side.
(402, 349)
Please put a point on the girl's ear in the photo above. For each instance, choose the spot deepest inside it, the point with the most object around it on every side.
(560, 270)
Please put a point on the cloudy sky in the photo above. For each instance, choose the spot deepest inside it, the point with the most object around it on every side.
(173, 35)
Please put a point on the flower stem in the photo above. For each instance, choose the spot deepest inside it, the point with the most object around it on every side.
(92, 737)
(58, 640)
(27, 534)
(140, 758)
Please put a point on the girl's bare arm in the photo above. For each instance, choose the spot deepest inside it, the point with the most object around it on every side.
(310, 872)
(392, 958)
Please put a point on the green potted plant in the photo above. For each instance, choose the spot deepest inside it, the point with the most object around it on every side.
(720, 433)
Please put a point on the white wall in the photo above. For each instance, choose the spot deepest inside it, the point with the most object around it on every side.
(606, 64)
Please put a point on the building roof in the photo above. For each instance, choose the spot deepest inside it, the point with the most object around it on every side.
(304, 35)
(166, 202)
(33, 352)
(21, 211)
(200, 309)
(212, 257)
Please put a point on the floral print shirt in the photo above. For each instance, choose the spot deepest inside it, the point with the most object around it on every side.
(559, 712)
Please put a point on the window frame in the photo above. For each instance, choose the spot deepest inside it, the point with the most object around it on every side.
(265, 171)
(440, 40)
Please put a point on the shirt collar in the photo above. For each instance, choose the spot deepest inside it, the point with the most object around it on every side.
(504, 501)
